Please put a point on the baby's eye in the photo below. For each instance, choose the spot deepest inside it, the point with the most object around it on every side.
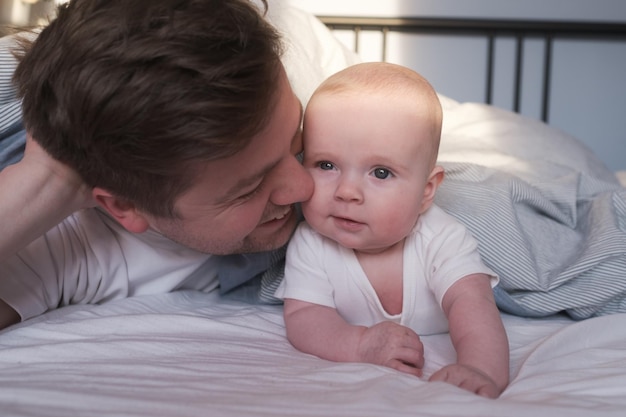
(326, 166)
(382, 173)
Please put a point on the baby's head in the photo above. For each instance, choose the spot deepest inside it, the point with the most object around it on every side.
(390, 86)
(371, 136)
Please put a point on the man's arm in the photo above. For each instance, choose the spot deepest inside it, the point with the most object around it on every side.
(36, 194)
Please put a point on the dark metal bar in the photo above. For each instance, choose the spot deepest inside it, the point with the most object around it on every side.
(547, 78)
(519, 62)
(490, 68)
(385, 32)
(431, 25)
(357, 35)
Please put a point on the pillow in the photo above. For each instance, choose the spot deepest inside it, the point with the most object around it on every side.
(312, 52)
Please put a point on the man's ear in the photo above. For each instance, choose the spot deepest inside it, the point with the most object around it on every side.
(123, 211)
(434, 179)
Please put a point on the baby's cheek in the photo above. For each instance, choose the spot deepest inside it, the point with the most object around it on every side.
(401, 221)
(308, 209)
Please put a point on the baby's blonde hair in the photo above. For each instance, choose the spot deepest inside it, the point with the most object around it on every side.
(391, 79)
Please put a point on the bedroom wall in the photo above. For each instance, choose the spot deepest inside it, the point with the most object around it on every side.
(16, 13)
(588, 91)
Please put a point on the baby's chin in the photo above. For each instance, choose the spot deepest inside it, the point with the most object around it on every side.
(372, 246)
(362, 247)
(372, 250)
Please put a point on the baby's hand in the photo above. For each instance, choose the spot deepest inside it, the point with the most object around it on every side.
(468, 378)
(392, 345)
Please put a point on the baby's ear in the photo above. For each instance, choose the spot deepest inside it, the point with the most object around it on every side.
(121, 210)
(434, 179)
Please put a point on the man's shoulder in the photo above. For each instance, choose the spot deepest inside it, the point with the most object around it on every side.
(147, 256)
(99, 218)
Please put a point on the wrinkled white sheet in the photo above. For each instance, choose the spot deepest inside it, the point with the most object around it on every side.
(194, 354)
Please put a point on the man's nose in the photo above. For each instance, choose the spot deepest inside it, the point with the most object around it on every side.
(294, 184)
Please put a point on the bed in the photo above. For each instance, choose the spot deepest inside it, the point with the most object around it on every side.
(550, 218)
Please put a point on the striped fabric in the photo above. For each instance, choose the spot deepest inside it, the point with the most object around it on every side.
(559, 252)
(271, 279)
(550, 218)
(12, 137)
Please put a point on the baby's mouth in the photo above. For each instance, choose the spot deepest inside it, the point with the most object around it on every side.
(347, 220)
(344, 218)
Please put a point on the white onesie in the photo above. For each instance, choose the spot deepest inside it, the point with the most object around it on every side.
(438, 252)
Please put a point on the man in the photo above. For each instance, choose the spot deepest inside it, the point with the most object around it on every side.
(175, 119)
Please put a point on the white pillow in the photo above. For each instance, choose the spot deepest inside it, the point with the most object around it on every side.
(312, 52)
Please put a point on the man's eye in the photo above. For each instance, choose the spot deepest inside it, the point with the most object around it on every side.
(250, 195)
(382, 173)
(326, 166)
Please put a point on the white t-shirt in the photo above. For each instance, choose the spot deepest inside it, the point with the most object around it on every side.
(90, 258)
(438, 252)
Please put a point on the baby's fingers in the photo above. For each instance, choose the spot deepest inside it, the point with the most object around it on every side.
(408, 360)
(412, 357)
(405, 368)
(489, 390)
(468, 379)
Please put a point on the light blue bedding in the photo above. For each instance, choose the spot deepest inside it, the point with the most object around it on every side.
(550, 218)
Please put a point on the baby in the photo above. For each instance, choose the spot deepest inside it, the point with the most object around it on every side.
(377, 263)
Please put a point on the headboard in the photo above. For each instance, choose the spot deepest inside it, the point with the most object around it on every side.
(520, 30)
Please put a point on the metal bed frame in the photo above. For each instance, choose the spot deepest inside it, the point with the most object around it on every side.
(548, 31)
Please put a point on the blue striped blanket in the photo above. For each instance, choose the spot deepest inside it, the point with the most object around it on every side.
(550, 218)
(12, 137)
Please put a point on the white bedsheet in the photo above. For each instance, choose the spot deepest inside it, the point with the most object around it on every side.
(193, 354)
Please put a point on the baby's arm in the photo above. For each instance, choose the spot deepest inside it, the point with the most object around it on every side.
(478, 336)
(321, 331)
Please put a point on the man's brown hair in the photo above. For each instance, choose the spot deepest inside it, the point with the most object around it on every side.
(135, 94)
